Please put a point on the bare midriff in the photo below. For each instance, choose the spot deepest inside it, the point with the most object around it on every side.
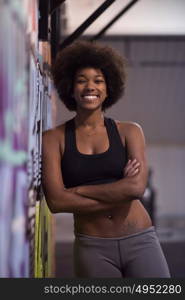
(124, 220)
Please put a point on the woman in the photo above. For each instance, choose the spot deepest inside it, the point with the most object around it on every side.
(95, 167)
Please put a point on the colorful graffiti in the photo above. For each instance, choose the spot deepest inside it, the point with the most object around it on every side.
(25, 222)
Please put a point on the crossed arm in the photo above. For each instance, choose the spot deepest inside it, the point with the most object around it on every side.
(123, 190)
(97, 197)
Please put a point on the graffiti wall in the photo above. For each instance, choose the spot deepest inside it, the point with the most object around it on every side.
(26, 249)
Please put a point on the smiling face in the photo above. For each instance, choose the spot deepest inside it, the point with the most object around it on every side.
(90, 88)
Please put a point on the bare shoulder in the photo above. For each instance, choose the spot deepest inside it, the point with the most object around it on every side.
(135, 140)
(128, 128)
(53, 132)
(54, 137)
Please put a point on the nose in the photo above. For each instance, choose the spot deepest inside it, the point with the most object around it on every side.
(89, 86)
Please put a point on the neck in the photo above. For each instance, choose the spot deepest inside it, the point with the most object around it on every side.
(93, 119)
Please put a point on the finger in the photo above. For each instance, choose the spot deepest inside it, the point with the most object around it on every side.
(128, 170)
(128, 167)
(136, 165)
(135, 172)
(125, 172)
(135, 161)
(132, 170)
(128, 163)
(132, 167)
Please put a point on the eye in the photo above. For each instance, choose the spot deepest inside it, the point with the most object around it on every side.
(80, 81)
(98, 81)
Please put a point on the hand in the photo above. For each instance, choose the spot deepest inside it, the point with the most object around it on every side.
(131, 168)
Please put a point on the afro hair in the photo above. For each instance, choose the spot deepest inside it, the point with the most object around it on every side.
(82, 54)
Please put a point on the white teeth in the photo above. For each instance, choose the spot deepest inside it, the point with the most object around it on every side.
(89, 97)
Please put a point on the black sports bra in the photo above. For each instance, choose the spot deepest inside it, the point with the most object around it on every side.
(84, 169)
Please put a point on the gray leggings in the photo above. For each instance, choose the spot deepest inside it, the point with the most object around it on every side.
(138, 255)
